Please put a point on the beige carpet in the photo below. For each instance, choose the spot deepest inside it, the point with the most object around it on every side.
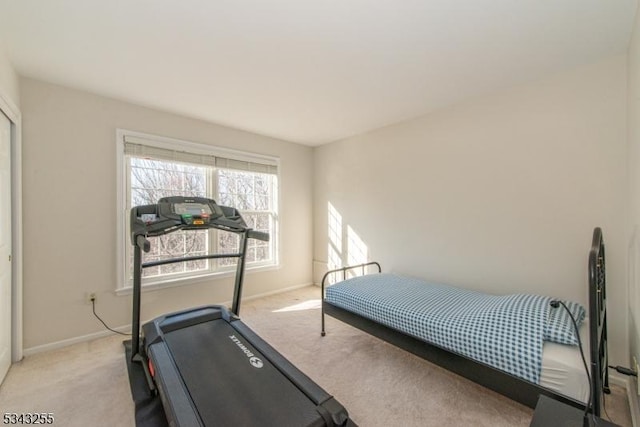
(380, 385)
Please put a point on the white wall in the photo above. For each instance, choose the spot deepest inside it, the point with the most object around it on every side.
(499, 193)
(69, 211)
(633, 135)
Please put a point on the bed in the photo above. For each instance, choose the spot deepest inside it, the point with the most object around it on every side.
(521, 346)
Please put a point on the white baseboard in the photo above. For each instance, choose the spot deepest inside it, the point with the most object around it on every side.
(71, 341)
(127, 328)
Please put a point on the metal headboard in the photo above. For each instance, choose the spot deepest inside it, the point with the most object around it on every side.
(598, 321)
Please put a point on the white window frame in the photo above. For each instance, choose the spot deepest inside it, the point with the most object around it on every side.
(123, 285)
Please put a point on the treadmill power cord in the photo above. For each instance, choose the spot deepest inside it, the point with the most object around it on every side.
(626, 371)
(93, 305)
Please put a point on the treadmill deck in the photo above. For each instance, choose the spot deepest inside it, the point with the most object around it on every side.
(232, 383)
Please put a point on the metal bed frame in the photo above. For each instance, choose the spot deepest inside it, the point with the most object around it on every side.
(513, 387)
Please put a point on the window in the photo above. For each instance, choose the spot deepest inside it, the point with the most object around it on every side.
(155, 167)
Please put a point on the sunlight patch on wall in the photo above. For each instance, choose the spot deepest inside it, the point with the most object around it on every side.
(357, 251)
(345, 246)
(335, 238)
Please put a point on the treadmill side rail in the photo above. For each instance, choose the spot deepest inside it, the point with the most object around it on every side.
(179, 408)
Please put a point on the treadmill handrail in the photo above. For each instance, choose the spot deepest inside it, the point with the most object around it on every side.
(188, 258)
(166, 221)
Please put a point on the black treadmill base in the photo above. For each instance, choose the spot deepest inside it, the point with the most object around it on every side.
(148, 408)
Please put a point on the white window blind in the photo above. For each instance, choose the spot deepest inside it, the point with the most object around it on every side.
(139, 147)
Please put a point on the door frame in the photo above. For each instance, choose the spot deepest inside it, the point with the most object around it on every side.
(11, 110)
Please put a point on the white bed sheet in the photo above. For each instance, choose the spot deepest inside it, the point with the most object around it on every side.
(563, 369)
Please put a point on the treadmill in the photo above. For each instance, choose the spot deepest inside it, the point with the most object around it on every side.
(204, 366)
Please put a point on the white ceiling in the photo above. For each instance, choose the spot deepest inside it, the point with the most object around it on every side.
(306, 71)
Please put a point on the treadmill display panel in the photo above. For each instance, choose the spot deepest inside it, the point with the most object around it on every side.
(192, 209)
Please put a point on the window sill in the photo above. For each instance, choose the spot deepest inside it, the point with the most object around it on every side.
(186, 281)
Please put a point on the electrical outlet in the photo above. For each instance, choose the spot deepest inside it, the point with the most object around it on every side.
(89, 297)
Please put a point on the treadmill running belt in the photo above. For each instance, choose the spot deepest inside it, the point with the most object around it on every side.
(232, 384)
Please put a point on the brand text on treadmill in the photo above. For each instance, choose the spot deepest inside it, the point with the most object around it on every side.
(256, 362)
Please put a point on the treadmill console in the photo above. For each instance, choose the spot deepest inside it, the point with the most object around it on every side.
(186, 213)
(193, 211)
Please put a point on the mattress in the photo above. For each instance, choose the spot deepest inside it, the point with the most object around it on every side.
(562, 367)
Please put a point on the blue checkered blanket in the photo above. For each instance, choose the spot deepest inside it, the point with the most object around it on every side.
(506, 332)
